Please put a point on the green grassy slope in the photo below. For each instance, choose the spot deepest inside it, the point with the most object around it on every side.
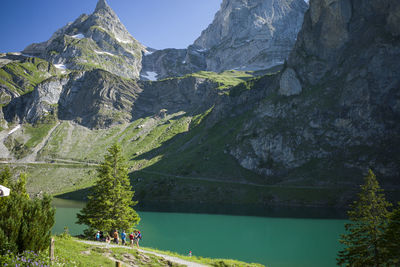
(22, 76)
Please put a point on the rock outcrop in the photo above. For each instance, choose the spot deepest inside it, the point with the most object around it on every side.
(344, 115)
(289, 83)
(98, 40)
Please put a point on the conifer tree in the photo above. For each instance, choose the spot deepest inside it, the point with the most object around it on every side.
(110, 201)
(25, 224)
(368, 216)
(392, 238)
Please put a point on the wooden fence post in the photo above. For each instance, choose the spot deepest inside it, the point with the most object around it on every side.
(51, 250)
(117, 264)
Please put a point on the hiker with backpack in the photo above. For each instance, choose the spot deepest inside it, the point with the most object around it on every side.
(132, 238)
(138, 236)
(116, 237)
(97, 236)
(123, 237)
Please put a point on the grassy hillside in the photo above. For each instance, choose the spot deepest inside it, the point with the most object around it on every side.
(225, 79)
(23, 75)
(178, 158)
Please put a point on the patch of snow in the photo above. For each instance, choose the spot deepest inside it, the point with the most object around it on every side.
(123, 41)
(184, 62)
(103, 53)
(146, 53)
(60, 66)
(78, 36)
(25, 55)
(15, 129)
(248, 41)
(151, 75)
(202, 50)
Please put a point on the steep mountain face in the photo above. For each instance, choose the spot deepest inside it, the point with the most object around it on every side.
(336, 110)
(98, 40)
(20, 75)
(172, 63)
(99, 99)
(245, 34)
(251, 34)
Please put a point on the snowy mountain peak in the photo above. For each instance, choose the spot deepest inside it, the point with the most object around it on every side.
(99, 40)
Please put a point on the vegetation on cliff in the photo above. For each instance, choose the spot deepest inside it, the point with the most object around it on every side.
(21, 76)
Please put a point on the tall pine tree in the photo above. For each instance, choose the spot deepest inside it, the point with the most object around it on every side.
(391, 238)
(110, 204)
(368, 216)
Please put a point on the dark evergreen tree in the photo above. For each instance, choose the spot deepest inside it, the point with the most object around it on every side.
(368, 216)
(25, 224)
(392, 238)
(110, 204)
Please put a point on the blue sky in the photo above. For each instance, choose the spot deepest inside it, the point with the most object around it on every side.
(155, 23)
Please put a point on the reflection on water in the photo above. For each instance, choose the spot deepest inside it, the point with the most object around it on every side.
(246, 210)
(272, 241)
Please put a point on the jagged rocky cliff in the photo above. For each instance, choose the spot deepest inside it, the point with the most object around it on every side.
(336, 111)
(251, 34)
(245, 34)
(99, 99)
(98, 40)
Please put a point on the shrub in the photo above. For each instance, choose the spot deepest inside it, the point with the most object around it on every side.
(25, 224)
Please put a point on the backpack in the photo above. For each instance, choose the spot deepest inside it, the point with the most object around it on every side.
(140, 235)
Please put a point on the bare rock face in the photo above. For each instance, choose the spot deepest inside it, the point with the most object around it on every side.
(245, 35)
(172, 63)
(251, 34)
(99, 40)
(289, 84)
(343, 115)
(393, 20)
(45, 98)
(99, 99)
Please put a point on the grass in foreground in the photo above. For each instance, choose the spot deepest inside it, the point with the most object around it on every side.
(207, 261)
(73, 253)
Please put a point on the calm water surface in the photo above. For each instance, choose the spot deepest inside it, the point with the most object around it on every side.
(271, 241)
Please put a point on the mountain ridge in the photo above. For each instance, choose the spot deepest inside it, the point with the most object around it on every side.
(244, 35)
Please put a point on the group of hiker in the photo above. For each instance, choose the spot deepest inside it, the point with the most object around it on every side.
(134, 237)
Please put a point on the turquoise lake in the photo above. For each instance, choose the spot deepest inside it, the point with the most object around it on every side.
(272, 241)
